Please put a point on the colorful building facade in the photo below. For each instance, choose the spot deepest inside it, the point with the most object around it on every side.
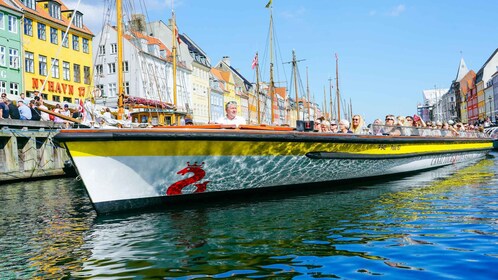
(56, 63)
(11, 77)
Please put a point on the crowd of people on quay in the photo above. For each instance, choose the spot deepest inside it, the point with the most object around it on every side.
(401, 126)
(34, 109)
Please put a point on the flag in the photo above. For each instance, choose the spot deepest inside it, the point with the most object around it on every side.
(177, 35)
(255, 61)
(81, 109)
(269, 4)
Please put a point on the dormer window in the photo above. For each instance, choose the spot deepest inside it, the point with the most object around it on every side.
(30, 4)
(78, 20)
(54, 9)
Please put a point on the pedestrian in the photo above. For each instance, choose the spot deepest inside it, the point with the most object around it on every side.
(24, 111)
(13, 110)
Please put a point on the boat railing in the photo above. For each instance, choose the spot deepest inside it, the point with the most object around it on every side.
(387, 130)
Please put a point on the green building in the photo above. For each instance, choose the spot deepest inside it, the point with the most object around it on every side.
(11, 72)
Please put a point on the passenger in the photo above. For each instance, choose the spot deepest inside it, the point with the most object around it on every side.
(325, 126)
(317, 125)
(376, 127)
(409, 129)
(35, 113)
(57, 110)
(231, 115)
(390, 128)
(4, 108)
(400, 120)
(24, 110)
(13, 110)
(418, 121)
(334, 128)
(344, 127)
(436, 129)
(358, 125)
(43, 116)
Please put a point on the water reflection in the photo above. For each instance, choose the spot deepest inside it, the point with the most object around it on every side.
(436, 224)
(390, 228)
(42, 227)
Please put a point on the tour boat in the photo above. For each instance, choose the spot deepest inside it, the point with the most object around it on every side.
(125, 169)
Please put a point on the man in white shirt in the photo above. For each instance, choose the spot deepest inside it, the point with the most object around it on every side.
(231, 115)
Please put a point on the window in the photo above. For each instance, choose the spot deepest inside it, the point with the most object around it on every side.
(3, 86)
(78, 20)
(29, 62)
(114, 48)
(30, 4)
(14, 88)
(77, 74)
(42, 65)
(54, 10)
(86, 48)
(42, 32)
(14, 58)
(125, 66)
(2, 56)
(2, 23)
(53, 35)
(126, 87)
(55, 68)
(101, 89)
(112, 90)
(28, 27)
(66, 75)
(101, 50)
(76, 43)
(99, 69)
(65, 40)
(86, 75)
(12, 24)
(111, 67)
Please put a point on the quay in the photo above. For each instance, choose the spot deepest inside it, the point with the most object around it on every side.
(27, 150)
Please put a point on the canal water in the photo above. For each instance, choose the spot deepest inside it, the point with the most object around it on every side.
(439, 224)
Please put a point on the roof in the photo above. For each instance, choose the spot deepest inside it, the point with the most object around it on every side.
(44, 14)
(462, 70)
(281, 91)
(195, 51)
(8, 4)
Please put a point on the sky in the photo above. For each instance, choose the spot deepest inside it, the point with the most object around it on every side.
(389, 51)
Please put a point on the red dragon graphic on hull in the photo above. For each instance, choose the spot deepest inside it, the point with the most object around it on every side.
(199, 173)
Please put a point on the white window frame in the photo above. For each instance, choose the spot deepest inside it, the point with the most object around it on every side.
(13, 58)
(29, 62)
(42, 65)
(125, 66)
(55, 10)
(54, 40)
(55, 68)
(66, 71)
(2, 21)
(114, 48)
(102, 50)
(42, 32)
(14, 88)
(65, 42)
(12, 24)
(85, 44)
(112, 89)
(76, 43)
(28, 28)
(111, 68)
(3, 56)
(3, 87)
(77, 73)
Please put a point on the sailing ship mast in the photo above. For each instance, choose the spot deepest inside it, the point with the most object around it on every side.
(119, 23)
(330, 95)
(308, 93)
(337, 87)
(173, 54)
(294, 67)
(272, 82)
(257, 87)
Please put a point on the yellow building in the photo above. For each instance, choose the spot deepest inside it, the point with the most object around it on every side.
(61, 69)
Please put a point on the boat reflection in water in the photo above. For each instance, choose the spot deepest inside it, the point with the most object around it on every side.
(400, 228)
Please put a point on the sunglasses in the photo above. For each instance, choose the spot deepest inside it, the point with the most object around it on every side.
(409, 120)
(389, 119)
(356, 119)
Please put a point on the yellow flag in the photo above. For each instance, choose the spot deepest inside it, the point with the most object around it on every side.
(269, 4)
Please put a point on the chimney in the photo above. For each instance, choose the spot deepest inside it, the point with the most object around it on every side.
(138, 23)
(226, 59)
